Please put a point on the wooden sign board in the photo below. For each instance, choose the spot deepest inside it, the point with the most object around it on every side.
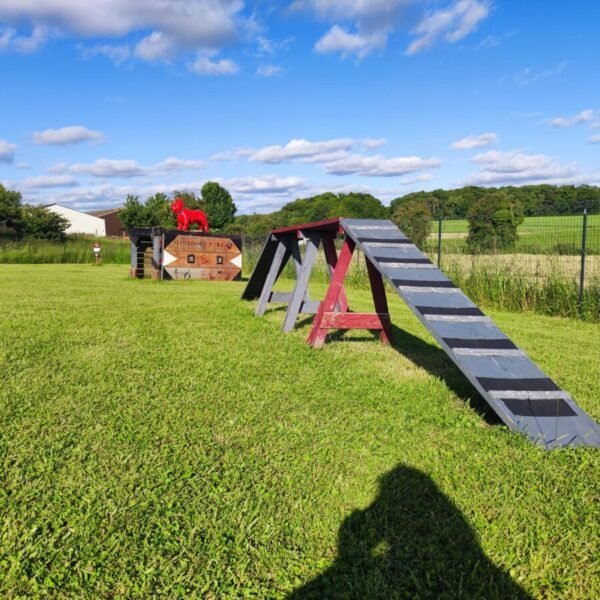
(206, 257)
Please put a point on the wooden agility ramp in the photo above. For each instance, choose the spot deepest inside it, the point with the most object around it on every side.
(520, 393)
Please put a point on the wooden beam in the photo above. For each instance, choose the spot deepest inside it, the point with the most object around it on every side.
(300, 293)
(318, 334)
(282, 254)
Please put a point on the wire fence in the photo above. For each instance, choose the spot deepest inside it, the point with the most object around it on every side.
(547, 248)
(553, 267)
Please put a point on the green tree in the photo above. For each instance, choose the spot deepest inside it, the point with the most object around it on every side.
(132, 214)
(10, 206)
(158, 213)
(493, 222)
(220, 208)
(38, 222)
(360, 206)
(414, 219)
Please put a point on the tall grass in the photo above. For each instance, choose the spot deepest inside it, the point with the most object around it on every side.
(76, 249)
(554, 294)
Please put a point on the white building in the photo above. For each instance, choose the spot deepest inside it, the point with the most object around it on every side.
(80, 222)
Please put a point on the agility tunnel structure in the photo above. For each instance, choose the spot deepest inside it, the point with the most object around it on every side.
(521, 394)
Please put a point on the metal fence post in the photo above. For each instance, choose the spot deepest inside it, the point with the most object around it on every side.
(583, 254)
(439, 244)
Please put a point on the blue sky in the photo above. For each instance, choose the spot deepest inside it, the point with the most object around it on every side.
(280, 100)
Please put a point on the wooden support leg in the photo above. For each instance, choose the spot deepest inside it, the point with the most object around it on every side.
(380, 302)
(156, 255)
(332, 259)
(281, 256)
(133, 260)
(297, 256)
(318, 333)
(300, 293)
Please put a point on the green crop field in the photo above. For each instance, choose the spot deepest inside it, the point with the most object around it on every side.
(158, 440)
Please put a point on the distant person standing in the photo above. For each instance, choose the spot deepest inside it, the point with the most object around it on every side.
(97, 252)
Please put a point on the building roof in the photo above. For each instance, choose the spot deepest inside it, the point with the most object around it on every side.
(104, 212)
(89, 214)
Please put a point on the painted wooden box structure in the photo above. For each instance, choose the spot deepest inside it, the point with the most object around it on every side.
(172, 254)
(524, 397)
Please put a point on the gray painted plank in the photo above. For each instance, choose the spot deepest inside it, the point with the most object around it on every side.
(278, 263)
(480, 361)
(299, 295)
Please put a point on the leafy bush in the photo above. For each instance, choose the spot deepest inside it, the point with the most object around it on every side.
(220, 208)
(10, 206)
(493, 222)
(414, 218)
(42, 224)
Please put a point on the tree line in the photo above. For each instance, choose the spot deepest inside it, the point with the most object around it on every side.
(493, 213)
(535, 200)
(26, 221)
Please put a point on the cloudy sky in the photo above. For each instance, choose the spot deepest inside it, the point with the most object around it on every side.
(279, 100)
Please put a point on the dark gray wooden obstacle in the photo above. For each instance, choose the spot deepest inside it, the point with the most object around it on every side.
(281, 245)
(522, 395)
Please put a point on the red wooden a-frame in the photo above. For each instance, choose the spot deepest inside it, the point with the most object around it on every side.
(333, 312)
(328, 318)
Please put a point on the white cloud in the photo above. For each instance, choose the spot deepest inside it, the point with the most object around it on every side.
(269, 70)
(50, 181)
(518, 167)
(234, 154)
(7, 151)
(23, 165)
(372, 21)
(103, 167)
(474, 141)
(451, 24)
(266, 192)
(187, 24)
(336, 156)
(380, 166)
(66, 136)
(172, 165)
(594, 139)
(301, 149)
(10, 40)
(127, 169)
(338, 40)
(370, 143)
(156, 46)
(117, 53)
(205, 65)
(266, 184)
(585, 116)
(529, 75)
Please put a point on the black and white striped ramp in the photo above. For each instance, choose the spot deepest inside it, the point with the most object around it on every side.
(522, 395)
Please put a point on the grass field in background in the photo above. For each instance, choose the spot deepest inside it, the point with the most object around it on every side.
(158, 440)
(541, 235)
(75, 250)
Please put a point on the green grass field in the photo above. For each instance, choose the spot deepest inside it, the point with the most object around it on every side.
(158, 440)
(536, 234)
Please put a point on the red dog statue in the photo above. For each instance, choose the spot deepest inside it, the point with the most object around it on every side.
(185, 217)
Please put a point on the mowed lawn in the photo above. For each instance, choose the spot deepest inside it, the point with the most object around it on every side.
(158, 440)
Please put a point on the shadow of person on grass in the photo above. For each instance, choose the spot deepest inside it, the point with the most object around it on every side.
(411, 542)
